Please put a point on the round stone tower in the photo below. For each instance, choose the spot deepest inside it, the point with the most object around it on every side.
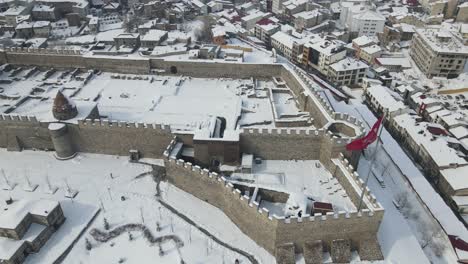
(64, 108)
(62, 141)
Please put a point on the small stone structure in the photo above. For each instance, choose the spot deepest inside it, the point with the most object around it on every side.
(313, 252)
(25, 226)
(285, 254)
(341, 251)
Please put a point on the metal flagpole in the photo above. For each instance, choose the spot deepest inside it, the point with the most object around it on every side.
(371, 165)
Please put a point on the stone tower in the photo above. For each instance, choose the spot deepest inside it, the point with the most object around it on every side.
(64, 108)
(62, 141)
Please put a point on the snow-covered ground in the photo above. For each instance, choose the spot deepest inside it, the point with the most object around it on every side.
(183, 102)
(304, 181)
(101, 182)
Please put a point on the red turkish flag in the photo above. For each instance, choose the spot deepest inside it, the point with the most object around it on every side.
(362, 143)
(458, 242)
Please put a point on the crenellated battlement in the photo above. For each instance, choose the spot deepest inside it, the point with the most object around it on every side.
(18, 118)
(121, 124)
(43, 51)
(369, 197)
(336, 141)
(284, 131)
(330, 216)
(226, 197)
(227, 187)
(352, 120)
(170, 147)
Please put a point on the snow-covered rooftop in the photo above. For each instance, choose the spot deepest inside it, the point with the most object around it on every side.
(442, 41)
(154, 35)
(348, 64)
(284, 38)
(328, 47)
(385, 99)
(393, 61)
(363, 41)
(13, 214)
(436, 147)
(372, 49)
(457, 178)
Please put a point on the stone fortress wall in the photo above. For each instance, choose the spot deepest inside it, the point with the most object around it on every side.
(93, 138)
(272, 231)
(64, 59)
(310, 101)
(151, 140)
(117, 138)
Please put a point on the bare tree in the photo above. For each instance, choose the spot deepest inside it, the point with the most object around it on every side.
(131, 22)
(203, 33)
(88, 244)
(432, 237)
(106, 224)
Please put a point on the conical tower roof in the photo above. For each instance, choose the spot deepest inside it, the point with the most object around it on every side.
(64, 108)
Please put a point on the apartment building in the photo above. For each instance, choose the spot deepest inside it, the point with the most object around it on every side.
(287, 45)
(264, 29)
(348, 72)
(322, 54)
(438, 52)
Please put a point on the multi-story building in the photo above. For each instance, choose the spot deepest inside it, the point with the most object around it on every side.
(360, 43)
(25, 30)
(277, 6)
(264, 29)
(153, 38)
(307, 19)
(438, 52)
(45, 12)
(287, 45)
(462, 13)
(381, 102)
(368, 23)
(292, 7)
(445, 8)
(348, 10)
(324, 53)
(369, 54)
(129, 40)
(348, 71)
(249, 21)
(41, 29)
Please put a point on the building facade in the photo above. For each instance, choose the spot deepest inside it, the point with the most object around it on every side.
(438, 52)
